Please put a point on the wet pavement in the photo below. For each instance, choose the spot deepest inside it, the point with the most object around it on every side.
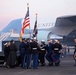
(66, 68)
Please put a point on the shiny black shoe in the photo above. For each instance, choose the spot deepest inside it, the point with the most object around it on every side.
(57, 64)
(28, 67)
(74, 65)
(50, 64)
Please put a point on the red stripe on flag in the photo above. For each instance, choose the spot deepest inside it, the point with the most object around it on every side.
(26, 22)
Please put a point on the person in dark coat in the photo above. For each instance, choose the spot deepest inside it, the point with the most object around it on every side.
(28, 53)
(75, 52)
(12, 54)
(42, 52)
(49, 49)
(56, 50)
(6, 52)
(75, 55)
(22, 49)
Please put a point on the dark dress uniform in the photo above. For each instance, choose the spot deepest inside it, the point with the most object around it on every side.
(22, 49)
(28, 54)
(56, 56)
(35, 48)
(42, 54)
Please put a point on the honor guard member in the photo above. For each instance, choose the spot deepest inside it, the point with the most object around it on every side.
(22, 48)
(42, 52)
(57, 49)
(49, 49)
(75, 52)
(28, 54)
(35, 48)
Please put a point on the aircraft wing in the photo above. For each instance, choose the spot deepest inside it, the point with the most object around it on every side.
(62, 31)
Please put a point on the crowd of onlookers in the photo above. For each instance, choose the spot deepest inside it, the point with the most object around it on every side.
(31, 50)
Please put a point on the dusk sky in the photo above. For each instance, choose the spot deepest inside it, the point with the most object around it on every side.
(48, 10)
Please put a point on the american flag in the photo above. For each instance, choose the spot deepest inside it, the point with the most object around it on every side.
(26, 21)
(25, 24)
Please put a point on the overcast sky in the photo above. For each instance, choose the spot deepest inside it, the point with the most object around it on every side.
(48, 10)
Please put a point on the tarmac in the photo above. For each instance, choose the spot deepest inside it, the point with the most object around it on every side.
(66, 68)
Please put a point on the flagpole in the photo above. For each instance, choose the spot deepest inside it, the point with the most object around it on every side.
(36, 20)
(36, 16)
(29, 25)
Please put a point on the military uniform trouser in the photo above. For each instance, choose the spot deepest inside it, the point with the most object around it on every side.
(56, 57)
(42, 57)
(22, 56)
(35, 61)
(28, 59)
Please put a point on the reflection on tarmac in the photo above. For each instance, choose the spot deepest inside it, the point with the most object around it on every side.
(66, 68)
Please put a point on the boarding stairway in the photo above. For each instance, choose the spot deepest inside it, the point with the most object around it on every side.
(4, 36)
